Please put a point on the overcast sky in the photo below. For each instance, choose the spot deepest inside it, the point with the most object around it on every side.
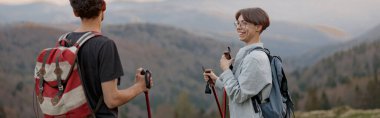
(63, 2)
(348, 15)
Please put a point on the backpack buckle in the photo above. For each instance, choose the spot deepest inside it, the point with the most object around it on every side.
(60, 87)
(41, 88)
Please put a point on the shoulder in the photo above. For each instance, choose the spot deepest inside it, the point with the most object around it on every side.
(101, 39)
(257, 56)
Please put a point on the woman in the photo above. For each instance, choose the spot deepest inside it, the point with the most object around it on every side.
(251, 74)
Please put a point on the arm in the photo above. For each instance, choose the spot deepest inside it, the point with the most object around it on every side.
(114, 97)
(109, 69)
(252, 79)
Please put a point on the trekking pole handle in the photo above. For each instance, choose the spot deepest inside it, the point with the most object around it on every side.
(147, 75)
(227, 54)
(209, 78)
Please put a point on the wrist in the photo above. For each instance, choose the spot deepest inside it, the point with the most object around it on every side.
(140, 87)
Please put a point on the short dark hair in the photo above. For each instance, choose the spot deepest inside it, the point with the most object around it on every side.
(256, 16)
(87, 8)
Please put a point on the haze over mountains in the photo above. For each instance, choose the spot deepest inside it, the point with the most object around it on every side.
(314, 55)
(175, 38)
(211, 19)
(351, 16)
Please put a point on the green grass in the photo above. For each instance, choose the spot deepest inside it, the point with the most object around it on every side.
(340, 112)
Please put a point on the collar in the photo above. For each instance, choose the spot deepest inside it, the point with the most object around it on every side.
(252, 46)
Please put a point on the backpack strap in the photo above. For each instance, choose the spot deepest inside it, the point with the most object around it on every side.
(63, 37)
(41, 73)
(101, 99)
(284, 92)
(100, 102)
(62, 40)
(266, 50)
(256, 99)
(58, 72)
(85, 37)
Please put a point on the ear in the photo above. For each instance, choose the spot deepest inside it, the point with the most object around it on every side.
(104, 6)
(258, 28)
(76, 14)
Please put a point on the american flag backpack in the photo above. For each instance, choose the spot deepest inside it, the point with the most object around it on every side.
(58, 84)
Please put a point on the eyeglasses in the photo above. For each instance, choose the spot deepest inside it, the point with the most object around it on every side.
(242, 24)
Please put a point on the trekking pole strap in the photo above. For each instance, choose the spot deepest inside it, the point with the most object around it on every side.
(255, 102)
(207, 90)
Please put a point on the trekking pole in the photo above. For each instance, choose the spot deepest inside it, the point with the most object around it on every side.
(211, 83)
(227, 54)
(147, 77)
(224, 103)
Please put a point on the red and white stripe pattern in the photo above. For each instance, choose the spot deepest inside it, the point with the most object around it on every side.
(73, 102)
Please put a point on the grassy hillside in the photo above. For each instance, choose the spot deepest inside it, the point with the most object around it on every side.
(340, 112)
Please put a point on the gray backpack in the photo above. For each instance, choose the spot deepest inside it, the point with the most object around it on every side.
(279, 104)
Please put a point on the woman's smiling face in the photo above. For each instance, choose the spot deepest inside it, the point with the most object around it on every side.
(245, 30)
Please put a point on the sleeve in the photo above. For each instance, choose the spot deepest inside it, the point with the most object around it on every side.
(249, 83)
(110, 67)
(219, 83)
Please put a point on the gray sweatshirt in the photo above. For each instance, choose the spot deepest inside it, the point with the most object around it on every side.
(250, 76)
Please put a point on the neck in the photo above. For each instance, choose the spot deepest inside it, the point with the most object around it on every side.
(255, 39)
(90, 25)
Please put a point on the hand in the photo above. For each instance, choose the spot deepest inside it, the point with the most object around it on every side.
(211, 75)
(140, 80)
(225, 63)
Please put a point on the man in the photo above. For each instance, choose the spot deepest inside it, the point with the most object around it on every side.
(99, 62)
(251, 74)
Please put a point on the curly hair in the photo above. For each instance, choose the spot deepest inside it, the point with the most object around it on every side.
(87, 8)
(256, 16)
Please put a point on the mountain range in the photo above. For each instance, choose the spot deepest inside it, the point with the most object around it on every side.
(346, 74)
(326, 66)
(284, 38)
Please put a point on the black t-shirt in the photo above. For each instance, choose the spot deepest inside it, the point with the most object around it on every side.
(99, 62)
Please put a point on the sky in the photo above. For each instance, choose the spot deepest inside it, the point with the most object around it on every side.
(349, 15)
(64, 2)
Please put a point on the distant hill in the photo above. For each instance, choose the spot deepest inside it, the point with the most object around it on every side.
(347, 77)
(314, 55)
(284, 38)
(293, 39)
